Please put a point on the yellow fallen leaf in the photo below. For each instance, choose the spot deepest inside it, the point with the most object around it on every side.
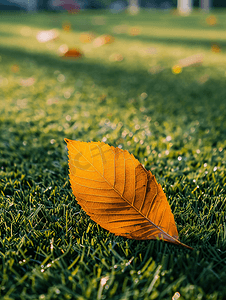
(177, 69)
(211, 20)
(118, 193)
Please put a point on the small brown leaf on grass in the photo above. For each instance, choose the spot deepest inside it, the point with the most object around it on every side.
(134, 31)
(215, 48)
(15, 68)
(103, 40)
(211, 20)
(66, 26)
(86, 37)
(73, 53)
(118, 193)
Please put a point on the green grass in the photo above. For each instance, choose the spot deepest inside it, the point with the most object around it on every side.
(173, 123)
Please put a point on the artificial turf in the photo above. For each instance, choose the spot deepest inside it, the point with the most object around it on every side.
(174, 124)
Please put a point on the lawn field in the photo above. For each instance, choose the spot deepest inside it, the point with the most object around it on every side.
(139, 93)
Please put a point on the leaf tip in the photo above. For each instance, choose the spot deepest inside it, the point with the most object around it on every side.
(67, 140)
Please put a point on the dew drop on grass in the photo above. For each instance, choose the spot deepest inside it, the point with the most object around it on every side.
(143, 96)
(68, 118)
(124, 133)
(205, 165)
(67, 95)
(61, 78)
(176, 296)
(103, 280)
(179, 158)
(136, 140)
(148, 132)
(214, 169)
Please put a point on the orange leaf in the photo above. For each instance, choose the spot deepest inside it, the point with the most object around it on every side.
(73, 53)
(118, 193)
